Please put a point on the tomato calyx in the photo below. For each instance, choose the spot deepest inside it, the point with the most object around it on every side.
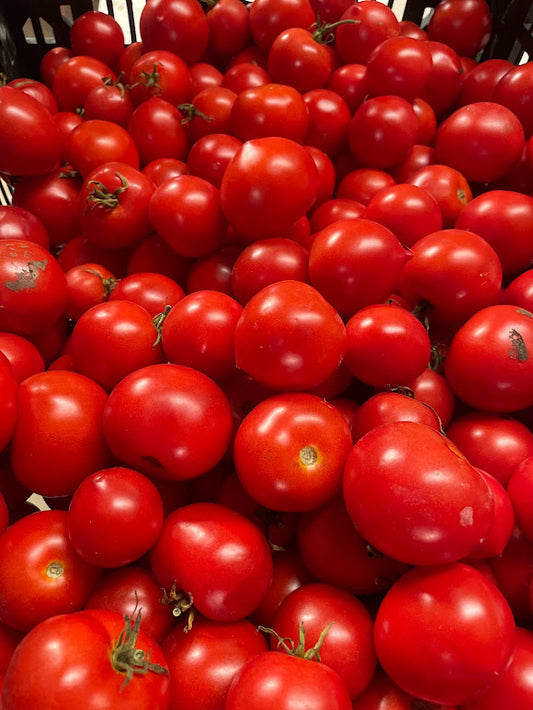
(150, 79)
(108, 284)
(158, 321)
(108, 81)
(100, 195)
(298, 649)
(323, 32)
(189, 112)
(128, 659)
(181, 602)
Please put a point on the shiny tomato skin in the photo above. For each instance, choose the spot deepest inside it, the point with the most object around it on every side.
(399, 66)
(24, 358)
(429, 609)
(212, 652)
(447, 185)
(384, 407)
(158, 132)
(160, 73)
(51, 578)
(97, 141)
(276, 681)
(20, 223)
(74, 79)
(371, 25)
(289, 452)
(182, 409)
(464, 25)
(152, 291)
(99, 35)
(178, 26)
(88, 636)
(289, 337)
(453, 507)
(501, 339)
(71, 406)
(215, 555)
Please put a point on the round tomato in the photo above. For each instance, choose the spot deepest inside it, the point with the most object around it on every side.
(74, 79)
(178, 26)
(99, 35)
(399, 66)
(464, 25)
(19, 223)
(95, 142)
(289, 337)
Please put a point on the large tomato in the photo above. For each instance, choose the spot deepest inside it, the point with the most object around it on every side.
(178, 26)
(114, 664)
(158, 419)
(414, 496)
(30, 143)
(289, 337)
(432, 644)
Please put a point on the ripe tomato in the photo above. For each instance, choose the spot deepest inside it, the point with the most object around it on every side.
(384, 407)
(95, 142)
(209, 156)
(447, 185)
(98, 35)
(229, 28)
(301, 58)
(182, 409)
(70, 406)
(289, 452)
(8, 409)
(270, 17)
(218, 558)
(33, 289)
(425, 633)
(464, 25)
(51, 578)
(398, 66)
(75, 77)
(489, 365)
(414, 496)
(160, 73)
(20, 223)
(370, 25)
(268, 185)
(114, 517)
(23, 356)
(289, 337)
(178, 26)
(153, 291)
(115, 662)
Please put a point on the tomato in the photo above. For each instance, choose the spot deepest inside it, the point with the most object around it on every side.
(8, 409)
(334, 210)
(275, 680)
(88, 285)
(38, 90)
(125, 588)
(95, 142)
(329, 118)
(182, 409)
(33, 291)
(109, 102)
(399, 66)
(30, 143)
(161, 169)
(23, 356)
(229, 28)
(75, 77)
(425, 632)
(186, 211)
(212, 112)
(266, 261)
(433, 389)
(115, 516)
(501, 530)
(504, 219)
(444, 83)
(488, 365)
(289, 452)
(270, 17)
(464, 25)
(386, 345)
(349, 81)
(455, 273)
(409, 211)
(203, 75)
(52, 198)
(157, 129)
(216, 557)
(353, 565)
(20, 223)
(269, 110)
(451, 511)
(203, 662)
(355, 263)
(70, 405)
(514, 91)
(382, 130)
(212, 272)
(481, 81)
(384, 694)
(482, 141)
(519, 291)
(160, 73)
(301, 58)
(116, 663)
(99, 35)
(348, 646)
(51, 579)
(153, 291)
(209, 156)
(370, 24)
(420, 156)
(79, 251)
(447, 185)
(384, 407)
(154, 255)
(244, 75)
(50, 62)
(289, 337)
(178, 26)
(362, 184)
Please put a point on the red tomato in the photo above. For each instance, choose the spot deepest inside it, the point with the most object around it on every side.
(448, 186)
(425, 633)
(20, 223)
(385, 407)
(329, 118)
(501, 529)
(444, 83)
(289, 337)
(414, 496)
(178, 26)
(30, 143)
(270, 17)
(289, 452)
(433, 389)
(301, 59)
(109, 102)
(514, 91)
(218, 558)
(50, 62)
(481, 81)
(115, 516)
(182, 409)
(348, 646)
(160, 73)
(229, 28)
(8, 408)
(355, 263)
(363, 183)
(33, 287)
(98, 35)
(75, 77)
(95, 142)
(51, 579)
(212, 653)
(153, 291)
(70, 405)
(209, 156)
(464, 25)
(371, 24)
(157, 129)
(116, 662)
(113, 204)
(398, 66)
(386, 345)
(488, 365)
(88, 285)
(37, 90)
(349, 81)
(23, 356)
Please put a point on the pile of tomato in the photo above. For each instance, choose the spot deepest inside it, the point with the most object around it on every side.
(266, 364)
